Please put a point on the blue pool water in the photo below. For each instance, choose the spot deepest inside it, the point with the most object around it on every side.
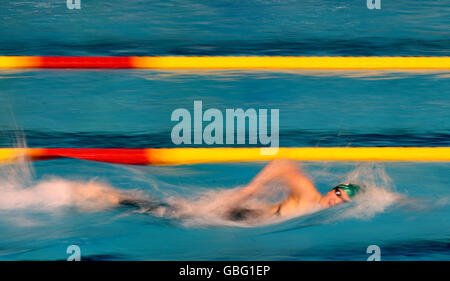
(406, 211)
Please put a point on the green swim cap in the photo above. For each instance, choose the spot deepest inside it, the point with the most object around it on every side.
(349, 188)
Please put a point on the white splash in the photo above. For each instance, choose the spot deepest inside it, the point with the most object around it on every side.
(19, 191)
(377, 194)
(210, 207)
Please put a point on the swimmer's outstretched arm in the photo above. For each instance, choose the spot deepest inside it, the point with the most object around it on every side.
(288, 173)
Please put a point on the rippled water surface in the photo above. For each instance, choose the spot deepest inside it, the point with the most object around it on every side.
(406, 210)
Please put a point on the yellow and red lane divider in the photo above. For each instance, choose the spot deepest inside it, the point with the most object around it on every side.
(228, 62)
(185, 156)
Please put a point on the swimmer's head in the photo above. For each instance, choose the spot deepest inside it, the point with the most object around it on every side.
(349, 188)
(339, 194)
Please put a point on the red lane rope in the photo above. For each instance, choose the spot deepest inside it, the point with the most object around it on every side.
(86, 62)
(135, 156)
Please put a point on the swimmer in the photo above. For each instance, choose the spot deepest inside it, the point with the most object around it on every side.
(303, 197)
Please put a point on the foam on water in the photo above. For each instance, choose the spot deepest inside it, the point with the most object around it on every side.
(19, 191)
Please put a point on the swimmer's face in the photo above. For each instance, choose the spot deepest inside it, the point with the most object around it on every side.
(335, 197)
